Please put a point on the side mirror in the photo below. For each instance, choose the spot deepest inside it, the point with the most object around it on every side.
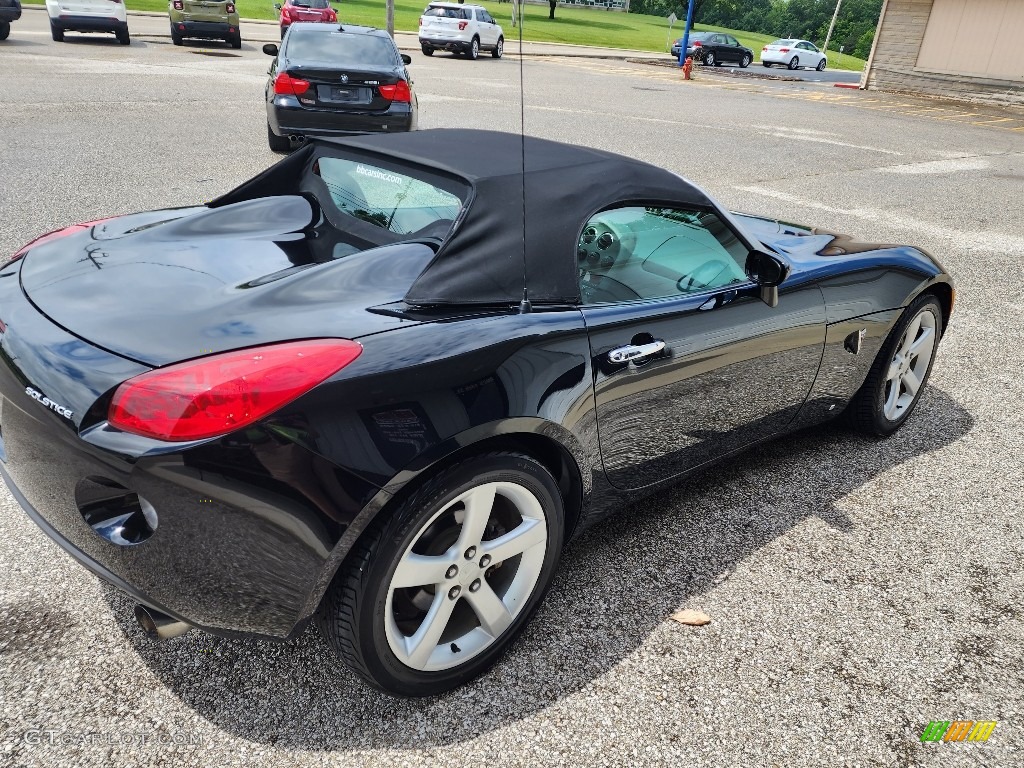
(406, 58)
(270, 49)
(768, 272)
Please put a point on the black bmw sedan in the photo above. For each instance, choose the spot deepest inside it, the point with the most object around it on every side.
(372, 389)
(331, 80)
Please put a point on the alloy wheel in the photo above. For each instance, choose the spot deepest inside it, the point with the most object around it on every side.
(909, 365)
(467, 575)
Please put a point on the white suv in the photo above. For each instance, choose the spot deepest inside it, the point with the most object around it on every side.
(88, 16)
(459, 28)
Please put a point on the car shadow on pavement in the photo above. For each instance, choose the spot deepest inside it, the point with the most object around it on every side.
(617, 584)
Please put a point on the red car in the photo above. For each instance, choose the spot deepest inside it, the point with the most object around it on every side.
(305, 10)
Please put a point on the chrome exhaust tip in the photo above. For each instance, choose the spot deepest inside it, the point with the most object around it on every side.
(159, 626)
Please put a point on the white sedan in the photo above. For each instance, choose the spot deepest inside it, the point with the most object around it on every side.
(793, 54)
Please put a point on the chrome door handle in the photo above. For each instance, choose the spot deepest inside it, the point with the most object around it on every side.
(636, 351)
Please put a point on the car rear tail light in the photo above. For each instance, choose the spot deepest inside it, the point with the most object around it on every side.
(463, 25)
(216, 395)
(286, 85)
(179, 5)
(397, 92)
(50, 236)
(230, 8)
(765, 48)
(698, 44)
(783, 50)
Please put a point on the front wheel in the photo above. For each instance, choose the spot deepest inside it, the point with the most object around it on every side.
(474, 49)
(745, 62)
(709, 60)
(499, 49)
(901, 370)
(794, 63)
(434, 595)
(821, 66)
(176, 37)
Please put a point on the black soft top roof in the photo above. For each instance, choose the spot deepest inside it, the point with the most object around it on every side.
(482, 261)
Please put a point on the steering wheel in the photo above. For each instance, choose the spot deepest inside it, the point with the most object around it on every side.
(702, 276)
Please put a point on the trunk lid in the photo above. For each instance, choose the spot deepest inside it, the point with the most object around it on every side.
(205, 10)
(334, 88)
(166, 286)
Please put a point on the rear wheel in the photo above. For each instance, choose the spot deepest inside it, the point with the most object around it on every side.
(175, 36)
(794, 63)
(427, 50)
(900, 372)
(709, 60)
(766, 64)
(5, 29)
(277, 143)
(235, 40)
(434, 595)
(474, 49)
(56, 33)
(122, 37)
(821, 65)
(745, 61)
(499, 49)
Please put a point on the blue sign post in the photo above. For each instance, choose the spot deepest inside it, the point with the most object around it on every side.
(686, 34)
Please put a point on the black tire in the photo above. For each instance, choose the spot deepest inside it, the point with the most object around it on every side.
(175, 37)
(283, 30)
(5, 29)
(821, 66)
(498, 50)
(235, 40)
(427, 50)
(353, 614)
(709, 60)
(277, 143)
(745, 61)
(794, 63)
(56, 33)
(866, 412)
(766, 64)
(123, 37)
(473, 52)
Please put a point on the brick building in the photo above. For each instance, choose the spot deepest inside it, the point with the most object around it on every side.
(959, 48)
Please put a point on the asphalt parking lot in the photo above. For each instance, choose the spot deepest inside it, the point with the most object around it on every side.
(858, 589)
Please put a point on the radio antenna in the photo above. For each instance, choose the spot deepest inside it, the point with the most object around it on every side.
(524, 305)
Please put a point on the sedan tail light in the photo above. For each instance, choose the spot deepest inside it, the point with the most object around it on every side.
(179, 5)
(397, 92)
(765, 48)
(783, 50)
(286, 85)
(698, 44)
(215, 395)
(230, 8)
(463, 25)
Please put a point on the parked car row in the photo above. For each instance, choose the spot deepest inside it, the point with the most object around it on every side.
(716, 48)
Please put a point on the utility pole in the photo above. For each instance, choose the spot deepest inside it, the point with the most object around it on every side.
(391, 17)
(830, 26)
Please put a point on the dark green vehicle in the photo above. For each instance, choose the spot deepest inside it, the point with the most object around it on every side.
(206, 20)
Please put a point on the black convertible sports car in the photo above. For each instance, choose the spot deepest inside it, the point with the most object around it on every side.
(384, 382)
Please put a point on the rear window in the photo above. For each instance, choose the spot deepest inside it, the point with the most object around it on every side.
(319, 4)
(451, 13)
(341, 48)
(389, 199)
(784, 42)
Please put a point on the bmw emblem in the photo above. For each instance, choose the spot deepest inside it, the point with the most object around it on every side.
(344, 78)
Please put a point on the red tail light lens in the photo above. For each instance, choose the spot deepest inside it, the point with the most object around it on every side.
(55, 235)
(463, 25)
(397, 92)
(179, 5)
(765, 48)
(698, 44)
(230, 8)
(216, 395)
(286, 85)
(783, 50)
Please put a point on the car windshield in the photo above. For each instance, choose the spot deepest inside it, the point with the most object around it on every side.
(321, 4)
(388, 199)
(341, 48)
(784, 42)
(451, 13)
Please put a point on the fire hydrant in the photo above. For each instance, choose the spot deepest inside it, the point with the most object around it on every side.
(687, 67)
